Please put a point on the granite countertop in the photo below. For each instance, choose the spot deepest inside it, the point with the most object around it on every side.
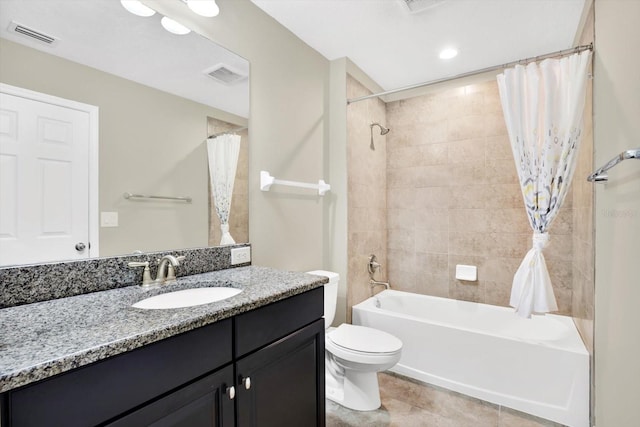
(43, 339)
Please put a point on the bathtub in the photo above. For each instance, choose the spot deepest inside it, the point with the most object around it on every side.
(539, 366)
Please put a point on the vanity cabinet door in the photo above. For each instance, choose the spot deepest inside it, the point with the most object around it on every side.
(93, 394)
(208, 402)
(283, 383)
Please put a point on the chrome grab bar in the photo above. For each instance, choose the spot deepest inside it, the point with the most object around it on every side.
(600, 175)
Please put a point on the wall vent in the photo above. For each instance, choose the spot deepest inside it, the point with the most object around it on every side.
(36, 35)
(416, 6)
(225, 74)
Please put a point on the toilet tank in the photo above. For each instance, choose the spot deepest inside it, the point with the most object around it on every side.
(330, 294)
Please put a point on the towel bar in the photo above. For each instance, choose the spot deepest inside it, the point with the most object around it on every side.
(266, 181)
(143, 196)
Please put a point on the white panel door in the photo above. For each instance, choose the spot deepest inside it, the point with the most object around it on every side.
(44, 181)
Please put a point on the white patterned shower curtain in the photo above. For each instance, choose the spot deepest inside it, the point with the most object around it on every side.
(223, 153)
(543, 106)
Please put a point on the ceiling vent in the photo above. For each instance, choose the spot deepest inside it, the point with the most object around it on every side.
(38, 36)
(225, 74)
(416, 6)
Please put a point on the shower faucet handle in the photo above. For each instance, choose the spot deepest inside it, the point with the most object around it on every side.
(373, 265)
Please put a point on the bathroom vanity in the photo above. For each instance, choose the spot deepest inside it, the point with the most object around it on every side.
(256, 359)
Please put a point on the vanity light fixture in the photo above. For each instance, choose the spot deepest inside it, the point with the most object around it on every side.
(448, 53)
(206, 8)
(174, 27)
(137, 8)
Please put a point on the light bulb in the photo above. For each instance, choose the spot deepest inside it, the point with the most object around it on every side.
(137, 8)
(206, 8)
(448, 53)
(174, 27)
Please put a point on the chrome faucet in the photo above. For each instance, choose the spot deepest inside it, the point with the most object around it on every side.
(166, 270)
(374, 266)
(374, 283)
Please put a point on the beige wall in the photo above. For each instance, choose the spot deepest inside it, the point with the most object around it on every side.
(289, 128)
(343, 73)
(367, 201)
(617, 214)
(335, 214)
(151, 142)
(454, 198)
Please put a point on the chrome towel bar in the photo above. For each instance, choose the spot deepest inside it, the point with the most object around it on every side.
(143, 196)
(600, 175)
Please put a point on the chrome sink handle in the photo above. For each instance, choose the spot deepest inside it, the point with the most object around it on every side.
(146, 275)
(171, 272)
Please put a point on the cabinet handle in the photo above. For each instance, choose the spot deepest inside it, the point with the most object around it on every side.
(231, 391)
(247, 383)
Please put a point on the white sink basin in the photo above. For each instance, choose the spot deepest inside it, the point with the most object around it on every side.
(187, 298)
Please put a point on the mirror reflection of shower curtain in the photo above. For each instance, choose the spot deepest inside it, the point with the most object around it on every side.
(223, 154)
(543, 106)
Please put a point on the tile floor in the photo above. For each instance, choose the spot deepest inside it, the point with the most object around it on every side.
(410, 403)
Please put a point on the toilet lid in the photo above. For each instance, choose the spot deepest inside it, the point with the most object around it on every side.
(363, 339)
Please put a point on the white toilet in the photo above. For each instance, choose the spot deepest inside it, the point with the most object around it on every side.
(354, 355)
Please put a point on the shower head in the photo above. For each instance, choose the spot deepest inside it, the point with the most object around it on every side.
(383, 131)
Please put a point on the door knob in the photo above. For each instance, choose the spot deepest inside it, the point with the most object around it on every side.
(80, 247)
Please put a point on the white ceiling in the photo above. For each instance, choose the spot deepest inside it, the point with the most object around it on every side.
(398, 48)
(103, 35)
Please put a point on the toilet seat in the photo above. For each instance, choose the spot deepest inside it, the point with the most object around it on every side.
(362, 341)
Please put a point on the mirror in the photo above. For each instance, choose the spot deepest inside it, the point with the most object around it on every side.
(159, 96)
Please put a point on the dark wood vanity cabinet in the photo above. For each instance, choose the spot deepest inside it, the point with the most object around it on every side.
(204, 403)
(280, 365)
(261, 368)
(280, 384)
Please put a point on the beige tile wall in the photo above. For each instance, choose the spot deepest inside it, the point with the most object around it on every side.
(453, 198)
(367, 202)
(239, 213)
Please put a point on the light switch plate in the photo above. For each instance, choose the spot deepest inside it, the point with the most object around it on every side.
(241, 255)
(108, 219)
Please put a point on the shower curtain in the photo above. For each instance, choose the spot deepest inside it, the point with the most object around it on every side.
(223, 153)
(543, 106)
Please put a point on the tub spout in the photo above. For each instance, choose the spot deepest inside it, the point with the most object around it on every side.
(374, 283)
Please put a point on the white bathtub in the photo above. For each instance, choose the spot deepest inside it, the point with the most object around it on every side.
(539, 366)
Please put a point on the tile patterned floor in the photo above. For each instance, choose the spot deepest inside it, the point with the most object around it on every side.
(410, 403)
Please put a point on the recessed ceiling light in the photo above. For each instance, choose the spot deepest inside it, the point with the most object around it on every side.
(174, 27)
(448, 53)
(137, 8)
(206, 8)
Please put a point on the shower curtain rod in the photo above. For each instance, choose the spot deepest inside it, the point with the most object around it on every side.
(240, 129)
(559, 53)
